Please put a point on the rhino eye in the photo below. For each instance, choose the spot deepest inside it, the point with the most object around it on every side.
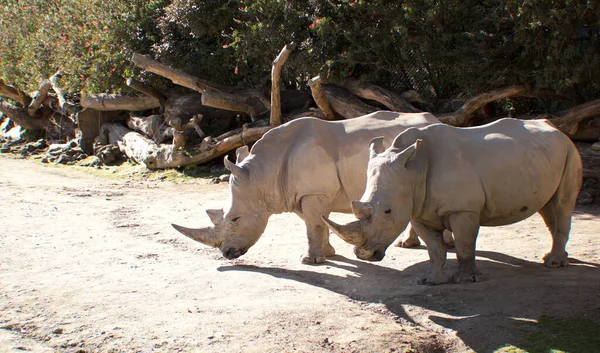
(388, 211)
(234, 220)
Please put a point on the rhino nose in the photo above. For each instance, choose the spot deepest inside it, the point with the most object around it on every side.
(232, 253)
(378, 255)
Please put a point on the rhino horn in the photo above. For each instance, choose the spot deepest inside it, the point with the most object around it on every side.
(362, 210)
(351, 233)
(205, 235)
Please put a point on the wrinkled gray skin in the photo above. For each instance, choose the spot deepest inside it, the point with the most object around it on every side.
(307, 166)
(441, 177)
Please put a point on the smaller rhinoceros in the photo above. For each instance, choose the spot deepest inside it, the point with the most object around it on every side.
(307, 166)
(442, 177)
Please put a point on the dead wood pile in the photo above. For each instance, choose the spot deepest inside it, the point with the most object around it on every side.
(162, 130)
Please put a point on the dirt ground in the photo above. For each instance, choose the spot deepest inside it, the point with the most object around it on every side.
(91, 264)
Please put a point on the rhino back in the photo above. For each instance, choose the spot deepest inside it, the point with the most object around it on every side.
(508, 169)
(311, 156)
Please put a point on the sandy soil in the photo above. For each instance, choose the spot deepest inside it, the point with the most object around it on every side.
(90, 264)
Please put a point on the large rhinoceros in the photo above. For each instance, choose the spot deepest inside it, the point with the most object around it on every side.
(307, 166)
(442, 177)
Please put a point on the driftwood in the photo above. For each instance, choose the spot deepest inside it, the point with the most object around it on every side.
(176, 76)
(21, 116)
(345, 104)
(568, 122)
(389, 99)
(152, 126)
(148, 91)
(111, 102)
(39, 98)
(228, 101)
(463, 116)
(168, 156)
(319, 97)
(12, 93)
(275, 118)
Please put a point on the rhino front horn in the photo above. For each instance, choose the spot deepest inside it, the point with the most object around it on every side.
(205, 236)
(351, 233)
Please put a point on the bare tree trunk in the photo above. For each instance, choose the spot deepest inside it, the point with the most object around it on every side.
(320, 98)
(21, 116)
(275, 118)
(12, 93)
(58, 90)
(132, 103)
(39, 98)
(389, 99)
(152, 126)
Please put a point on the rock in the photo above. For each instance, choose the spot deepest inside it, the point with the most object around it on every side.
(91, 161)
(224, 178)
(5, 148)
(596, 146)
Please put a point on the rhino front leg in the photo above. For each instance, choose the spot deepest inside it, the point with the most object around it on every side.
(465, 226)
(437, 254)
(319, 248)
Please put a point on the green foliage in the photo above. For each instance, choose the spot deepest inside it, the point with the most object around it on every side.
(559, 335)
(89, 41)
(442, 49)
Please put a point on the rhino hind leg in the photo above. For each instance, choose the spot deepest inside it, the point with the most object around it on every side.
(465, 226)
(409, 239)
(559, 225)
(319, 248)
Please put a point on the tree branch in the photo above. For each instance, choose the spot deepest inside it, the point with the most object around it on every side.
(275, 118)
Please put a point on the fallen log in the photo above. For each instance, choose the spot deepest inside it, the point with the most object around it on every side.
(176, 76)
(568, 122)
(389, 99)
(148, 91)
(168, 156)
(13, 93)
(345, 104)
(21, 116)
(320, 98)
(135, 146)
(152, 126)
(112, 102)
(39, 98)
(463, 116)
(275, 118)
(228, 101)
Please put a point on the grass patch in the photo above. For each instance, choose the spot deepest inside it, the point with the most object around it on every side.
(559, 335)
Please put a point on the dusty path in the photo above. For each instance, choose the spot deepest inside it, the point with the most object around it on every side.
(90, 264)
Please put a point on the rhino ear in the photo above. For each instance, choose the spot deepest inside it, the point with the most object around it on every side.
(236, 170)
(215, 215)
(401, 159)
(241, 154)
(376, 146)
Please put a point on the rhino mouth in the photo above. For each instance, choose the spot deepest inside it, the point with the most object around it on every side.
(373, 253)
(233, 253)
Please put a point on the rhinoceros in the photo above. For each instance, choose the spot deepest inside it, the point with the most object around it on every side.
(442, 177)
(307, 166)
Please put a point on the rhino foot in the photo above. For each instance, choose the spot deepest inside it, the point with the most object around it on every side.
(462, 277)
(329, 251)
(433, 279)
(554, 260)
(312, 260)
(410, 242)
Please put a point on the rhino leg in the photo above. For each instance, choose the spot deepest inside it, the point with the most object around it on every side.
(465, 226)
(409, 239)
(437, 254)
(313, 206)
(559, 225)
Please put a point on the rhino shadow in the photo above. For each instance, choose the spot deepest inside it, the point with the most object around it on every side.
(485, 315)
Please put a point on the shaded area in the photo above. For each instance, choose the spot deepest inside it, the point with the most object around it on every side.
(485, 315)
